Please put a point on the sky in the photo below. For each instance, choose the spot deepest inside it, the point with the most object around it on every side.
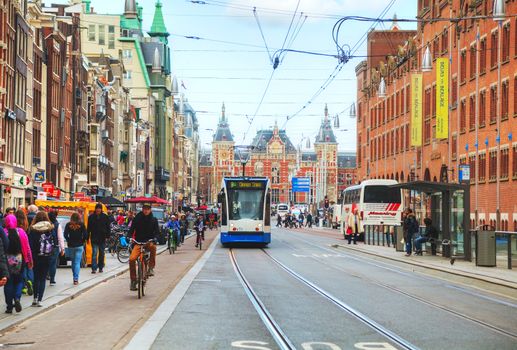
(230, 62)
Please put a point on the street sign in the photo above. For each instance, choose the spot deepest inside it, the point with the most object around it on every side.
(464, 172)
(39, 176)
(301, 184)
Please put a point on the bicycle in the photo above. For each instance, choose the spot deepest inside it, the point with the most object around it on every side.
(200, 237)
(142, 264)
(123, 250)
(172, 241)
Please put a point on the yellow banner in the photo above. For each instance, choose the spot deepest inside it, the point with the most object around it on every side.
(416, 109)
(442, 98)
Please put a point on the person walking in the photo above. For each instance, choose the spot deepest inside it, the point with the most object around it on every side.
(4, 271)
(59, 246)
(355, 226)
(76, 236)
(411, 228)
(27, 274)
(17, 253)
(42, 247)
(31, 214)
(308, 222)
(278, 220)
(98, 230)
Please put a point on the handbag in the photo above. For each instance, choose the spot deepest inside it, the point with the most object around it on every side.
(348, 230)
(14, 264)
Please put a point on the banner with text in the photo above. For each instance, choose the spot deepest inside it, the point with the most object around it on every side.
(442, 98)
(416, 110)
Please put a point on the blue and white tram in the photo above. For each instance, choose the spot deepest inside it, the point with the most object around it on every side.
(245, 204)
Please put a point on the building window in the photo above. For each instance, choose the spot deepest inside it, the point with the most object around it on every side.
(493, 50)
(463, 116)
(275, 173)
(454, 149)
(463, 66)
(472, 164)
(472, 112)
(127, 75)
(482, 56)
(493, 104)
(482, 108)
(492, 166)
(275, 195)
(93, 137)
(445, 40)
(454, 88)
(259, 169)
(93, 170)
(506, 43)
(127, 54)
(473, 62)
(111, 37)
(427, 103)
(515, 96)
(91, 32)
(427, 131)
(504, 164)
(514, 162)
(407, 137)
(407, 98)
(482, 167)
(433, 101)
(504, 102)
(102, 34)
(436, 48)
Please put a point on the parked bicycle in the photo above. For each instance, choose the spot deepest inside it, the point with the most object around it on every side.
(142, 266)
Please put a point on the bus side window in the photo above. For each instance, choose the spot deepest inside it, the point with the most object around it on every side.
(267, 218)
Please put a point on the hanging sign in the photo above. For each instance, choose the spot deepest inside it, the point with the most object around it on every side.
(416, 110)
(442, 98)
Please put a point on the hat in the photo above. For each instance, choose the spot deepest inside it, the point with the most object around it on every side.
(146, 205)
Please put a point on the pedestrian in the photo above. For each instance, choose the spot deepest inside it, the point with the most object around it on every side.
(99, 231)
(129, 219)
(183, 227)
(4, 271)
(59, 246)
(278, 220)
(120, 218)
(355, 226)
(430, 235)
(42, 247)
(27, 273)
(308, 222)
(76, 236)
(17, 253)
(411, 228)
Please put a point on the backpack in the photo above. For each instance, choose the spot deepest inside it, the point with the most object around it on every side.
(46, 244)
(14, 263)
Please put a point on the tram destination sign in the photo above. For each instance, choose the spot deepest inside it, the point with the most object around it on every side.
(247, 185)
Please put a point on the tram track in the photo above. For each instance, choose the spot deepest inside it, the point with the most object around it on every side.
(282, 340)
(409, 295)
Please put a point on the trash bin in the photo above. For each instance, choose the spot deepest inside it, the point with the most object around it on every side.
(485, 248)
(399, 235)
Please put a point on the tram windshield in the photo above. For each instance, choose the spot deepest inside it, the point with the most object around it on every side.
(246, 204)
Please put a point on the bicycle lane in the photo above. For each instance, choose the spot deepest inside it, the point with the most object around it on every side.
(107, 315)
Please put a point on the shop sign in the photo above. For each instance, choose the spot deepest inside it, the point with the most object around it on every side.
(48, 187)
(39, 176)
(42, 196)
(56, 193)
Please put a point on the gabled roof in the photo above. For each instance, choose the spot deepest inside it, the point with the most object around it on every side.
(263, 137)
(346, 160)
(223, 133)
(325, 134)
(309, 156)
(205, 158)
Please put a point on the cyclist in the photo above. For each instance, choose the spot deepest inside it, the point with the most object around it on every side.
(174, 225)
(199, 226)
(143, 229)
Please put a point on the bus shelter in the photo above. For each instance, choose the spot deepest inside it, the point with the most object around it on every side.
(448, 206)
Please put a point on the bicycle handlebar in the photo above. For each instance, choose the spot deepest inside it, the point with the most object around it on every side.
(153, 240)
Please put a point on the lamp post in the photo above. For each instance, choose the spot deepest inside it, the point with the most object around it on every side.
(499, 16)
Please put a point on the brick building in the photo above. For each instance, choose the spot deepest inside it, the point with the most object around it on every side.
(481, 120)
(272, 154)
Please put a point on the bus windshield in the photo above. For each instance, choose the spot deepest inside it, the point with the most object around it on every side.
(381, 194)
(246, 204)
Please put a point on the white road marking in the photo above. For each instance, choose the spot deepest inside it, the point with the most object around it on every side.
(146, 335)
(205, 280)
(331, 346)
(250, 344)
(374, 346)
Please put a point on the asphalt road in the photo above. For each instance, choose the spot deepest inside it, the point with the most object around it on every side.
(418, 310)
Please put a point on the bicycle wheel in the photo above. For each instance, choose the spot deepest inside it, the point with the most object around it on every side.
(123, 254)
(169, 245)
(144, 278)
(200, 239)
(139, 278)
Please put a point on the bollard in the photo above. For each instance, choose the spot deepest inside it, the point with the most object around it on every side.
(368, 234)
(383, 235)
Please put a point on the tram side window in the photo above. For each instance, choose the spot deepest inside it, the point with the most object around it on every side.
(222, 201)
(267, 219)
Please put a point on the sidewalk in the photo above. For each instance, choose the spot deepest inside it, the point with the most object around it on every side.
(498, 275)
(64, 290)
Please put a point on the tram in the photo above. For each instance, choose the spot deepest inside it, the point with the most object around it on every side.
(245, 209)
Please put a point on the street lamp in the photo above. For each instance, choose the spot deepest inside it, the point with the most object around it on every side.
(352, 113)
(381, 93)
(427, 60)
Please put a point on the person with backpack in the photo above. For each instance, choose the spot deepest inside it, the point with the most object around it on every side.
(28, 276)
(42, 245)
(59, 246)
(99, 230)
(4, 271)
(76, 236)
(17, 253)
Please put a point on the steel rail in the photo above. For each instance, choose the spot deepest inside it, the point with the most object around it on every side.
(276, 332)
(422, 300)
(363, 318)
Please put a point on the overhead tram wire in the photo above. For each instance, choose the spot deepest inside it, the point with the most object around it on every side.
(336, 70)
(262, 33)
